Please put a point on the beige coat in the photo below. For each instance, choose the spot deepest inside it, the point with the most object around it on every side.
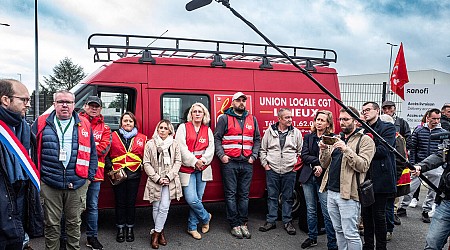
(152, 190)
(188, 159)
(351, 163)
(280, 160)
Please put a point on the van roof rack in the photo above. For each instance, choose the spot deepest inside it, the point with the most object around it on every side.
(114, 46)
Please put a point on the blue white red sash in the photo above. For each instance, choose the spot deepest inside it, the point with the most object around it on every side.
(11, 142)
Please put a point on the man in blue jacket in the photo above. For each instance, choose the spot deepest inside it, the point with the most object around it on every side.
(382, 172)
(67, 158)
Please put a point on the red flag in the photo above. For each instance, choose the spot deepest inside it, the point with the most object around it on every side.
(399, 76)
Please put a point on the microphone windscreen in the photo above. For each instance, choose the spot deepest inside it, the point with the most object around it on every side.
(195, 4)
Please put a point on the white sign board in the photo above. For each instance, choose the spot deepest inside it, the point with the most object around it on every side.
(421, 97)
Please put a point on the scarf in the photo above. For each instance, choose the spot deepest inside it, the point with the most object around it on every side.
(21, 129)
(162, 146)
(127, 135)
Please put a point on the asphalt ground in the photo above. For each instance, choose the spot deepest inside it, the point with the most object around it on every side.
(410, 234)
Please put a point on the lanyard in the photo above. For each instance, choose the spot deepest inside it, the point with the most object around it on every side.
(63, 131)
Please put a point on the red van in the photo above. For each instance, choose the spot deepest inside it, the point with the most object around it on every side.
(160, 77)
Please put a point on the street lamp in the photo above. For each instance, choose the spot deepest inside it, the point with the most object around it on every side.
(20, 77)
(5, 24)
(390, 61)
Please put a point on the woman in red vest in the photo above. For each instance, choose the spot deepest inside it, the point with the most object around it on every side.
(197, 150)
(127, 152)
(162, 161)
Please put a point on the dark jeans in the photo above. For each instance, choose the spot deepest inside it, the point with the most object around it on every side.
(374, 220)
(125, 196)
(280, 184)
(236, 178)
(390, 214)
(12, 246)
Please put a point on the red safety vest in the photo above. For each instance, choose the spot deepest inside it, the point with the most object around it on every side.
(84, 144)
(123, 158)
(196, 143)
(101, 132)
(239, 141)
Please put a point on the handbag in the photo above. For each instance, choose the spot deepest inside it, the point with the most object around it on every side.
(117, 176)
(299, 164)
(365, 192)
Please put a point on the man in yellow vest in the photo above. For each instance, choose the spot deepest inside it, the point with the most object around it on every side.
(237, 141)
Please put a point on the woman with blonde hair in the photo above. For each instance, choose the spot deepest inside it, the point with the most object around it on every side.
(162, 161)
(311, 177)
(197, 150)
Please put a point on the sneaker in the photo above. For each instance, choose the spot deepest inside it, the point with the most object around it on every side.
(397, 220)
(267, 226)
(290, 229)
(401, 212)
(413, 203)
(195, 234)
(245, 232)
(309, 243)
(425, 217)
(431, 213)
(236, 232)
(93, 243)
(388, 236)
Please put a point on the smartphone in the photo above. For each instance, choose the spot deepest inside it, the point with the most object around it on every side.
(329, 140)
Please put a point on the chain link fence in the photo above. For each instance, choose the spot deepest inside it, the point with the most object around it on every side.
(356, 94)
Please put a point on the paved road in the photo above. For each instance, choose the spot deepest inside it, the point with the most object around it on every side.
(410, 235)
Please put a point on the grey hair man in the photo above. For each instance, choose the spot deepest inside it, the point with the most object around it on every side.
(281, 146)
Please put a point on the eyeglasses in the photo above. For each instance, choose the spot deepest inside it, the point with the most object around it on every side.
(345, 119)
(25, 100)
(366, 110)
(62, 102)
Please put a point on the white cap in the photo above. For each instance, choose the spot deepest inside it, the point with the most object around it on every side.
(237, 95)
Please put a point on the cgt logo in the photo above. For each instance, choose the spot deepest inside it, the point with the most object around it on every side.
(202, 140)
(98, 135)
(140, 142)
(248, 126)
(84, 133)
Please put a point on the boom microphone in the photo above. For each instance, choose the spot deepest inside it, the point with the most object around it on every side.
(195, 4)
(440, 136)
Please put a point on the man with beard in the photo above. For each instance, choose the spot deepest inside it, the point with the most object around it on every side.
(383, 175)
(18, 174)
(346, 160)
(237, 141)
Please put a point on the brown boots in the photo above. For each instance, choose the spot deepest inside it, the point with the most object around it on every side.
(155, 238)
(162, 238)
(158, 239)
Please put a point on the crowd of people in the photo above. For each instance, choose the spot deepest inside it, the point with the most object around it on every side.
(61, 160)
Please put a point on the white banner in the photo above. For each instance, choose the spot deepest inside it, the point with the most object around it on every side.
(421, 97)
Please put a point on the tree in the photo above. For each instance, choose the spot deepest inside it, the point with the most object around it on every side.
(65, 76)
(119, 101)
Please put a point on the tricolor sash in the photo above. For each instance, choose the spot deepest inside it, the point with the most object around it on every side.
(9, 139)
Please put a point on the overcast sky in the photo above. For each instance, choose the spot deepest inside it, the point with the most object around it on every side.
(357, 30)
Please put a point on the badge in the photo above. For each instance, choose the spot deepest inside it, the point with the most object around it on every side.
(62, 155)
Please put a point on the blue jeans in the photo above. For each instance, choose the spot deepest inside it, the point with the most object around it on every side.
(390, 215)
(344, 215)
(193, 194)
(92, 209)
(311, 192)
(439, 229)
(276, 184)
(236, 178)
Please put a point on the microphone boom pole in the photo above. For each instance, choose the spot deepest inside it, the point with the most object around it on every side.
(226, 3)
